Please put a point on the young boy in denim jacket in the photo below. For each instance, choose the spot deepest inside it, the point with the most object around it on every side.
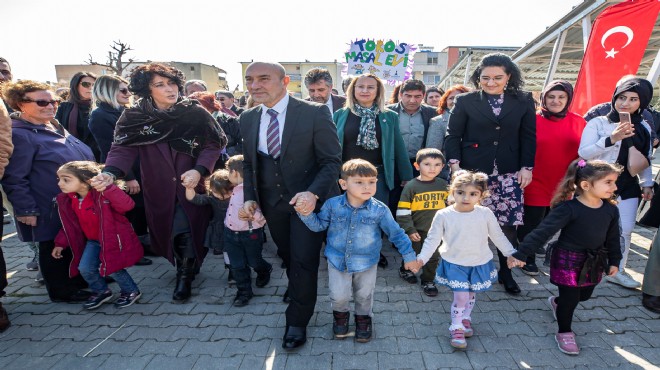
(354, 222)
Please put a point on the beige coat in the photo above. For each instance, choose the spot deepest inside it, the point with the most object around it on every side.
(6, 146)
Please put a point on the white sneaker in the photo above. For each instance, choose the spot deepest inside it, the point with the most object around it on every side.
(623, 279)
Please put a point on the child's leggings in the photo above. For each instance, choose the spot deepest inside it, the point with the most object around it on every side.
(568, 299)
(461, 309)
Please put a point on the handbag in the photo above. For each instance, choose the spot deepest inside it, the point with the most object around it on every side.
(637, 162)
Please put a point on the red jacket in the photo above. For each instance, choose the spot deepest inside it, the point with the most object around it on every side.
(120, 246)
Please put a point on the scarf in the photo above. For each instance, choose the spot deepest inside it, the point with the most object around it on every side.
(556, 85)
(186, 127)
(74, 116)
(643, 88)
(367, 135)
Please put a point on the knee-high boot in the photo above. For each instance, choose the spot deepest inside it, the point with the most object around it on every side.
(185, 262)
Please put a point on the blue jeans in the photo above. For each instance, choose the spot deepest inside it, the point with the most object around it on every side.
(244, 250)
(89, 269)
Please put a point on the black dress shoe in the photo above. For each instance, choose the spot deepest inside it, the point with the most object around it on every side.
(285, 297)
(294, 337)
(144, 262)
(510, 285)
(382, 262)
(651, 303)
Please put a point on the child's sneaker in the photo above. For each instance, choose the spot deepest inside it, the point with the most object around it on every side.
(468, 332)
(566, 343)
(362, 328)
(407, 275)
(127, 299)
(340, 324)
(458, 339)
(553, 305)
(97, 299)
(429, 288)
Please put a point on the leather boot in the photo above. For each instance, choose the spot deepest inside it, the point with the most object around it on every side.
(340, 324)
(362, 328)
(4, 319)
(185, 275)
(505, 277)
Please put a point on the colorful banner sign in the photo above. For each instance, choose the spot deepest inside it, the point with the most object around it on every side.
(391, 61)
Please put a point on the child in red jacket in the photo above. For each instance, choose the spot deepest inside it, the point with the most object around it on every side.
(101, 238)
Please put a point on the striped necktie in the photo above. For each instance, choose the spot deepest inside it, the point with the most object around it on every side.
(273, 135)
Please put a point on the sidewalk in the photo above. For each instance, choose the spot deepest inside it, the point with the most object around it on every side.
(613, 329)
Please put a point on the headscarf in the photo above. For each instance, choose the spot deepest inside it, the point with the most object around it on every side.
(643, 88)
(186, 127)
(367, 133)
(556, 85)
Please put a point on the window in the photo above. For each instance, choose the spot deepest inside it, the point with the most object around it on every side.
(432, 60)
(192, 68)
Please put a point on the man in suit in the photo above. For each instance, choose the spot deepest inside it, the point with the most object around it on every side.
(226, 99)
(319, 85)
(291, 155)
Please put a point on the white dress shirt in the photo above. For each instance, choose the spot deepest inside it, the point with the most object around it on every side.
(280, 108)
(329, 104)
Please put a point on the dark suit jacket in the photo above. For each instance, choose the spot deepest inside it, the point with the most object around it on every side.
(234, 108)
(311, 156)
(337, 102)
(479, 139)
(427, 111)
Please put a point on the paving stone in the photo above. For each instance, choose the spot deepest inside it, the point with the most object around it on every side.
(69, 332)
(186, 332)
(456, 360)
(409, 361)
(154, 347)
(543, 358)
(118, 361)
(207, 362)
(113, 346)
(161, 362)
(34, 348)
(344, 346)
(367, 361)
(429, 345)
(625, 339)
(239, 347)
(316, 362)
(159, 334)
(195, 347)
(225, 332)
(480, 360)
(69, 362)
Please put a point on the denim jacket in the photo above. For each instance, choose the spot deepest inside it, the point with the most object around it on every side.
(354, 234)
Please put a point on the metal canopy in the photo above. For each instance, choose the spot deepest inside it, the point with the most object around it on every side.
(557, 52)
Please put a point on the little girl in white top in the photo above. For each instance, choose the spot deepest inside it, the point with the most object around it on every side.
(467, 261)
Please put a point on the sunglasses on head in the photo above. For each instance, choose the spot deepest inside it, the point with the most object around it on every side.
(124, 91)
(43, 103)
(86, 84)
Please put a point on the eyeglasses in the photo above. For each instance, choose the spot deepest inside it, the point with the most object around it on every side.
(86, 84)
(43, 103)
(124, 91)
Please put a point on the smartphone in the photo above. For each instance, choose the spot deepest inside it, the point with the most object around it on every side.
(624, 117)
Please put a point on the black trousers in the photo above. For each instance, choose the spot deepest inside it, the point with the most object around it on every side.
(532, 218)
(3, 266)
(511, 235)
(56, 272)
(568, 299)
(300, 249)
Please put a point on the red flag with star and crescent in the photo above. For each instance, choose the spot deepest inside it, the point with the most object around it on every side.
(616, 46)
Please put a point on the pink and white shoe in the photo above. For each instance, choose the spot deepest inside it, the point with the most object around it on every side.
(566, 343)
(468, 332)
(458, 339)
(553, 305)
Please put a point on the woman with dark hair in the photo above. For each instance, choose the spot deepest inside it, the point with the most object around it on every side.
(74, 113)
(611, 139)
(433, 95)
(41, 146)
(558, 134)
(178, 142)
(492, 130)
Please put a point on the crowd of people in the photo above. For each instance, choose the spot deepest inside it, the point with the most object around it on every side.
(159, 165)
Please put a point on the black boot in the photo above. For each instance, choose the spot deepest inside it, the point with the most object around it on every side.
(230, 275)
(340, 324)
(362, 328)
(184, 278)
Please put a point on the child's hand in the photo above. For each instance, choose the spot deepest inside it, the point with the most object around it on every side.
(246, 213)
(57, 252)
(190, 193)
(415, 237)
(512, 262)
(413, 266)
(613, 271)
(99, 186)
(300, 206)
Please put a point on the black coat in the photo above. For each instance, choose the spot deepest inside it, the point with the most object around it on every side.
(427, 111)
(84, 134)
(101, 125)
(477, 138)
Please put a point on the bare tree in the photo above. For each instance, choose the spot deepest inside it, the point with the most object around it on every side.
(116, 57)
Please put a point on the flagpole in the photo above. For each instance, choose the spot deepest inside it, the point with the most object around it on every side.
(655, 70)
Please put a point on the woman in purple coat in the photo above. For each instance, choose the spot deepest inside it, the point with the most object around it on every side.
(41, 146)
(178, 142)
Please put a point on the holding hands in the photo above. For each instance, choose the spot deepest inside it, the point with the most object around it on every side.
(613, 271)
(101, 181)
(57, 252)
(247, 212)
(415, 237)
(413, 266)
(512, 262)
(304, 202)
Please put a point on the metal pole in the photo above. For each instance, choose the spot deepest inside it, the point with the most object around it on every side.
(467, 69)
(655, 70)
(586, 30)
(556, 53)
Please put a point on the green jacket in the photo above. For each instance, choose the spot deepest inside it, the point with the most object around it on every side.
(394, 150)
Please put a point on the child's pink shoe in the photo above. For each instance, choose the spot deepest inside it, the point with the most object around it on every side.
(468, 332)
(458, 339)
(566, 343)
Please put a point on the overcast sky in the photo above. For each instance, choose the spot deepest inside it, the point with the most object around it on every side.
(41, 33)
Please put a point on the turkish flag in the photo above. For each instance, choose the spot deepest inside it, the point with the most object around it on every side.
(616, 46)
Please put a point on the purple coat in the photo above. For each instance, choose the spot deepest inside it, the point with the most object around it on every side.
(161, 169)
(30, 180)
